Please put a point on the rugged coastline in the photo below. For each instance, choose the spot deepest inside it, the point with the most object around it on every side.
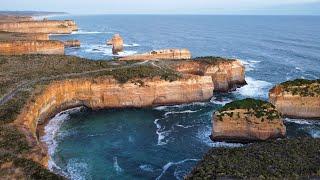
(139, 86)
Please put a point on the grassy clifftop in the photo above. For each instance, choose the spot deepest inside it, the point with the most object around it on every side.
(302, 87)
(255, 107)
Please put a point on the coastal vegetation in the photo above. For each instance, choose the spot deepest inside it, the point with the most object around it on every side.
(213, 60)
(281, 159)
(255, 107)
(302, 87)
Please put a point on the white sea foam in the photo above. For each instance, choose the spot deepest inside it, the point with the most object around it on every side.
(51, 131)
(302, 121)
(249, 64)
(131, 45)
(116, 165)
(204, 136)
(105, 50)
(222, 101)
(183, 126)
(169, 164)
(161, 133)
(78, 169)
(254, 88)
(146, 167)
(166, 108)
(179, 112)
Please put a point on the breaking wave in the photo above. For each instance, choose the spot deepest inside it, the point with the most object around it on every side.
(255, 88)
(169, 164)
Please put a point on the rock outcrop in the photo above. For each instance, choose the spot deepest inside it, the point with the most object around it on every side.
(227, 74)
(298, 99)
(47, 27)
(72, 43)
(247, 120)
(117, 44)
(31, 47)
(165, 54)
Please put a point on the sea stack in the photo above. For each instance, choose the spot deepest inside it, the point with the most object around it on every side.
(299, 98)
(247, 120)
(117, 44)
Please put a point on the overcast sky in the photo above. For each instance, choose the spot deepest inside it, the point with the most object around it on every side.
(167, 6)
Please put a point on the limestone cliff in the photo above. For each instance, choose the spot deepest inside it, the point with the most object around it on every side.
(105, 92)
(247, 120)
(227, 74)
(5, 36)
(47, 26)
(165, 54)
(31, 47)
(298, 98)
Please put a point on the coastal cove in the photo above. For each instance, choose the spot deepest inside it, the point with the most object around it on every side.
(87, 113)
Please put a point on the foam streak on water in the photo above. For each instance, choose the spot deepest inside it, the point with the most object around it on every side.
(169, 164)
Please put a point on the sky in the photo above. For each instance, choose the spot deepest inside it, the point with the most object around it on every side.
(260, 7)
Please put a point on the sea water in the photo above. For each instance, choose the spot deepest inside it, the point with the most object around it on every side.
(166, 142)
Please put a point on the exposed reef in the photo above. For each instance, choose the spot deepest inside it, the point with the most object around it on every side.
(299, 98)
(20, 47)
(282, 159)
(247, 120)
(164, 54)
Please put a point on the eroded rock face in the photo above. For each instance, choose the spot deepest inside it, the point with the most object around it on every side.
(226, 74)
(165, 54)
(245, 125)
(297, 100)
(31, 47)
(117, 44)
(106, 92)
(46, 26)
(72, 43)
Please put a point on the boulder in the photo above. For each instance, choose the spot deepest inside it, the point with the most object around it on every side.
(117, 44)
(247, 120)
(164, 54)
(299, 98)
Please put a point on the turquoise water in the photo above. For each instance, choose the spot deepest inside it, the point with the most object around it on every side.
(165, 142)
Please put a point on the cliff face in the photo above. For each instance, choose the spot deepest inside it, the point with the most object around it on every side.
(108, 93)
(295, 105)
(5, 36)
(240, 126)
(72, 43)
(226, 75)
(166, 54)
(48, 27)
(31, 47)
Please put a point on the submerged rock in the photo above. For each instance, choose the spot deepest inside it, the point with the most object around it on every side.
(299, 98)
(164, 54)
(117, 44)
(247, 120)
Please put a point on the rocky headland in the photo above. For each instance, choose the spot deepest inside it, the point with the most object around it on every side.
(226, 75)
(164, 54)
(247, 120)
(298, 98)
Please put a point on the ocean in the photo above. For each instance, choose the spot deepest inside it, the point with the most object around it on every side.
(166, 142)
